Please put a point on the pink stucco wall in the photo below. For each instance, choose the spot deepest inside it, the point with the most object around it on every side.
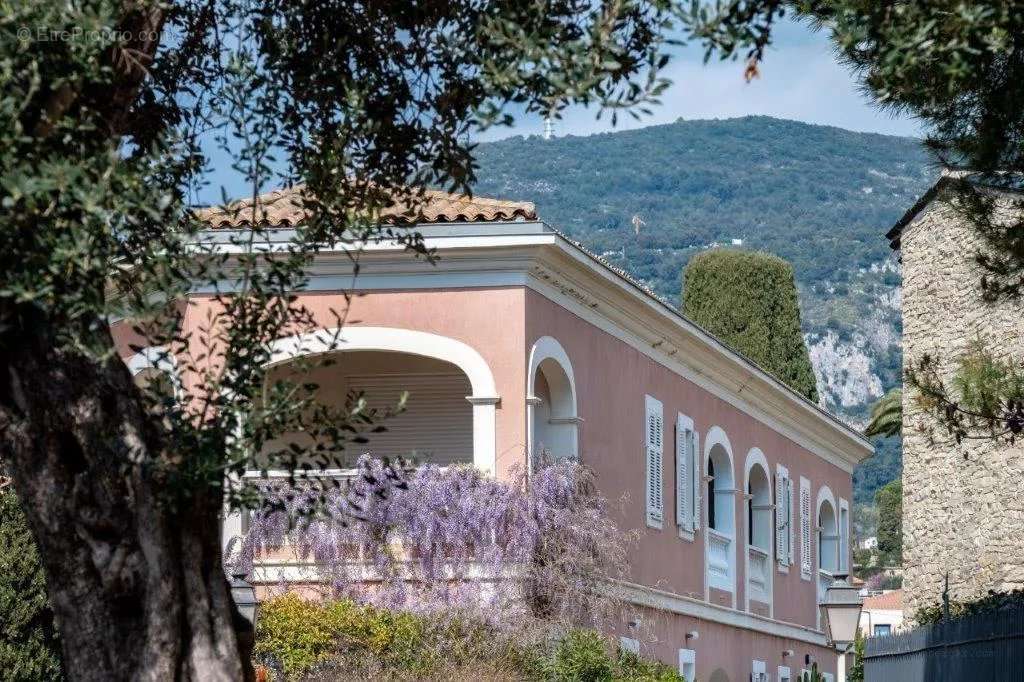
(612, 378)
(491, 321)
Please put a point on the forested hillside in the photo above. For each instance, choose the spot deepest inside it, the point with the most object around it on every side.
(820, 197)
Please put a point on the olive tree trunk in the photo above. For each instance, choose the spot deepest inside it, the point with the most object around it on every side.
(137, 585)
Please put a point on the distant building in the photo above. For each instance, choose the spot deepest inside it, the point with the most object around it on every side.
(868, 543)
(962, 512)
(882, 614)
(737, 242)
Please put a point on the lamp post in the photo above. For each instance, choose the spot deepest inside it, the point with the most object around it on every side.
(840, 612)
(246, 607)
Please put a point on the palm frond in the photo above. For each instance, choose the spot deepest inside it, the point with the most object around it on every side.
(887, 415)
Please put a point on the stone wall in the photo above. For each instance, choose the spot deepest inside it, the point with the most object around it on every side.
(963, 506)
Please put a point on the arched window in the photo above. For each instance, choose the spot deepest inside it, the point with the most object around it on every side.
(828, 541)
(758, 520)
(720, 539)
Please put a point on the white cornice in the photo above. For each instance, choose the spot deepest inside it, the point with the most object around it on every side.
(554, 267)
(651, 597)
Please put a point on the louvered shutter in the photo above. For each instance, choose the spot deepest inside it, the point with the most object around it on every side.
(654, 438)
(685, 508)
(805, 528)
(696, 474)
(789, 514)
(781, 521)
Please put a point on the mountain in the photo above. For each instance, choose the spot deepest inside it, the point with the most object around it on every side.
(820, 197)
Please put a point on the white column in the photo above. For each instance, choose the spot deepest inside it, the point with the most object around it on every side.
(484, 445)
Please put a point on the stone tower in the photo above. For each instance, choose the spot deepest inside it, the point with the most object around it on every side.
(963, 505)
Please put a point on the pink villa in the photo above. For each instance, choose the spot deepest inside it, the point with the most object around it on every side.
(519, 339)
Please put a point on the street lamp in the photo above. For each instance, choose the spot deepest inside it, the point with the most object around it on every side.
(244, 596)
(840, 612)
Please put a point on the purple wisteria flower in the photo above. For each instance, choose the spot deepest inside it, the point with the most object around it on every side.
(429, 539)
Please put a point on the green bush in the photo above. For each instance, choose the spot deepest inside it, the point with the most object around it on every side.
(29, 648)
(329, 640)
(581, 655)
(748, 300)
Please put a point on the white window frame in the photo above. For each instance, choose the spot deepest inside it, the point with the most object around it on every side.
(806, 534)
(688, 664)
(784, 674)
(758, 671)
(844, 536)
(654, 461)
(629, 644)
(783, 519)
(687, 466)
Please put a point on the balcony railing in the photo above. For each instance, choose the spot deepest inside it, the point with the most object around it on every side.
(720, 560)
(759, 574)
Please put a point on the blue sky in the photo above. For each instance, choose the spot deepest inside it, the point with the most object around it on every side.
(800, 80)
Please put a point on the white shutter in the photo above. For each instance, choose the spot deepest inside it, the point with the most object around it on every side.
(789, 514)
(685, 462)
(695, 477)
(805, 528)
(654, 437)
(781, 522)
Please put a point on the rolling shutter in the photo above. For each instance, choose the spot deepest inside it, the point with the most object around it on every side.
(436, 426)
(805, 528)
(654, 443)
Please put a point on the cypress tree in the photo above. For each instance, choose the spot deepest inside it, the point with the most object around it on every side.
(748, 300)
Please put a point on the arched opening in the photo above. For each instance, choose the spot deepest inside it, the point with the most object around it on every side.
(828, 538)
(759, 529)
(828, 543)
(552, 418)
(434, 426)
(721, 512)
(554, 413)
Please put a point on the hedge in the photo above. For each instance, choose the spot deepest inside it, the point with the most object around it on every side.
(748, 300)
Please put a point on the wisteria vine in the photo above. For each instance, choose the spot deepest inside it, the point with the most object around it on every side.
(540, 545)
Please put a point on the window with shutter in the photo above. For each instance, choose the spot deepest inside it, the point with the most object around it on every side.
(783, 517)
(686, 469)
(805, 529)
(654, 437)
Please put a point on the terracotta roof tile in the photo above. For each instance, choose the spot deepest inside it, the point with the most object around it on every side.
(283, 208)
(887, 601)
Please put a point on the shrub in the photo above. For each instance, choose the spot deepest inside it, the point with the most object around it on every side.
(749, 301)
(29, 648)
(993, 601)
(581, 655)
(329, 640)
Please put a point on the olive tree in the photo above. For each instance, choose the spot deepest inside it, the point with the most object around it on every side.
(109, 112)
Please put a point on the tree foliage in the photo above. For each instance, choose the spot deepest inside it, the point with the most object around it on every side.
(889, 501)
(748, 300)
(886, 415)
(957, 67)
(29, 647)
(109, 112)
